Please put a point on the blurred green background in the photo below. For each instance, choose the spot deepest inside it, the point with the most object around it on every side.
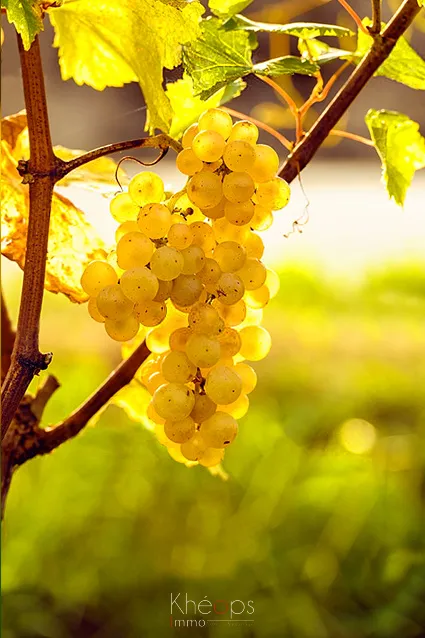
(320, 524)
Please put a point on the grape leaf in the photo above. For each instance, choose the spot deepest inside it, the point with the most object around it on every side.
(187, 107)
(320, 52)
(134, 399)
(106, 43)
(286, 65)
(224, 8)
(216, 58)
(403, 64)
(303, 30)
(221, 56)
(401, 148)
(26, 16)
(73, 242)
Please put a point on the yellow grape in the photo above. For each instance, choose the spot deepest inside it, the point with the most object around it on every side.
(146, 188)
(123, 208)
(204, 319)
(245, 131)
(208, 146)
(215, 212)
(272, 282)
(113, 304)
(248, 377)
(164, 290)
(180, 236)
(188, 163)
(194, 449)
(154, 220)
(203, 235)
(126, 227)
(180, 431)
(186, 290)
(256, 343)
(219, 430)
(167, 263)
(93, 311)
(273, 194)
(216, 120)
(176, 455)
(239, 214)
(238, 408)
(189, 134)
(122, 329)
(253, 274)
(205, 189)
(152, 414)
(211, 272)
(173, 401)
(254, 245)
(223, 385)
(193, 260)
(139, 284)
(155, 381)
(230, 342)
(232, 315)
(258, 298)
(238, 187)
(262, 218)
(211, 457)
(239, 155)
(230, 288)
(134, 250)
(203, 350)
(176, 368)
(225, 231)
(178, 339)
(212, 167)
(97, 275)
(150, 313)
(203, 408)
(157, 339)
(266, 163)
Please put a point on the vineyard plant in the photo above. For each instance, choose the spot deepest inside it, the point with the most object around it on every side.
(184, 288)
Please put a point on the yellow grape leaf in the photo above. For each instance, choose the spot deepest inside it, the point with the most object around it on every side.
(134, 399)
(108, 43)
(73, 242)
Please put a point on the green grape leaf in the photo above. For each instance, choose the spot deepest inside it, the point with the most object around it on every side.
(286, 65)
(403, 64)
(401, 148)
(320, 52)
(303, 30)
(187, 107)
(216, 58)
(224, 8)
(26, 16)
(106, 43)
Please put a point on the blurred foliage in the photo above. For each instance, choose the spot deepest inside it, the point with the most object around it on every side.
(327, 542)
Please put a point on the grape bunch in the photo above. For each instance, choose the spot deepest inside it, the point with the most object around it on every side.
(187, 276)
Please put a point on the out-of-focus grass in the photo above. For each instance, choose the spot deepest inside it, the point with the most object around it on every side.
(326, 542)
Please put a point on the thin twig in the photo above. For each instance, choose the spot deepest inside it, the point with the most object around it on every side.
(380, 50)
(162, 141)
(44, 393)
(279, 136)
(354, 15)
(351, 136)
(375, 27)
(321, 92)
(7, 338)
(27, 359)
(289, 101)
(73, 424)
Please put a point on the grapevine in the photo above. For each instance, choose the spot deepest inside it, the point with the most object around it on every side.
(187, 276)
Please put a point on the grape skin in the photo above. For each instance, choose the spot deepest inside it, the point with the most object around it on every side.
(97, 275)
(219, 430)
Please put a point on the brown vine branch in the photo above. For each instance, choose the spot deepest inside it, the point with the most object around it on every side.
(162, 141)
(76, 421)
(27, 360)
(380, 50)
(7, 338)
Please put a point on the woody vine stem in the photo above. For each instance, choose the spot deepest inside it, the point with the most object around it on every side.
(44, 169)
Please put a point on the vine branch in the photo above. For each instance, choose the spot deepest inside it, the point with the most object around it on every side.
(380, 50)
(26, 359)
(7, 338)
(375, 27)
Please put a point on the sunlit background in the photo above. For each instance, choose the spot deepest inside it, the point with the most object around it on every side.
(321, 522)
